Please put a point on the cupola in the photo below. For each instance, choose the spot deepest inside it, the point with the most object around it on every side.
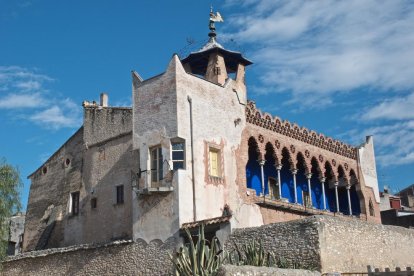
(213, 61)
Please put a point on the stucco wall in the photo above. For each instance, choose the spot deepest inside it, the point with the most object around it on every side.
(218, 122)
(368, 166)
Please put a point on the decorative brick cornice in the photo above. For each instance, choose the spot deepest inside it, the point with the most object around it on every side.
(256, 117)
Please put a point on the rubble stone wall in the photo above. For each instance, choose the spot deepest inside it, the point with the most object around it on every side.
(296, 241)
(324, 243)
(120, 258)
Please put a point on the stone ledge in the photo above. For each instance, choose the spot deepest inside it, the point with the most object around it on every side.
(46, 252)
(230, 270)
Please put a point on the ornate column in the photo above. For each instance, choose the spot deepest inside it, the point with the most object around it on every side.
(348, 187)
(294, 172)
(336, 196)
(261, 163)
(309, 176)
(278, 168)
(323, 179)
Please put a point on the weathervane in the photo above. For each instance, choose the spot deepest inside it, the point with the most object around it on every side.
(214, 18)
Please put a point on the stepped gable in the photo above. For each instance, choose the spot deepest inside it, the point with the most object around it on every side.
(284, 127)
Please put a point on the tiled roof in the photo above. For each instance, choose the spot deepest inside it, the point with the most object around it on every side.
(215, 220)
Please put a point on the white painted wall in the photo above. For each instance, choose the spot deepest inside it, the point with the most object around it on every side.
(366, 157)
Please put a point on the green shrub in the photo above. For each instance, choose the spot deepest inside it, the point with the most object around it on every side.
(199, 259)
(251, 253)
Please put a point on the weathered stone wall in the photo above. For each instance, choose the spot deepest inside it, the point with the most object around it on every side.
(350, 245)
(333, 244)
(96, 159)
(296, 241)
(121, 258)
(49, 194)
(104, 167)
(103, 123)
(325, 243)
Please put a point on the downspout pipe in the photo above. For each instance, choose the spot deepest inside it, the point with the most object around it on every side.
(190, 102)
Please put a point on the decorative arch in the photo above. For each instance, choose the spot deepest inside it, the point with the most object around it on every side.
(301, 160)
(254, 149)
(287, 185)
(253, 174)
(318, 195)
(342, 177)
(302, 188)
(357, 197)
(331, 178)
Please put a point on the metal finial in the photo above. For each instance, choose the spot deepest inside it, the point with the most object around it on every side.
(214, 18)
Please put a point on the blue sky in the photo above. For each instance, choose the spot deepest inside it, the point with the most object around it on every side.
(342, 68)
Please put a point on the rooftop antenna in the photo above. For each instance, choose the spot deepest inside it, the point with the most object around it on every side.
(213, 18)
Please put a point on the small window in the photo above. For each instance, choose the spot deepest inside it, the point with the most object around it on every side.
(67, 162)
(178, 156)
(371, 209)
(93, 203)
(120, 194)
(217, 70)
(75, 203)
(156, 166)
(44, 170)
(215, 162)
(273, 188)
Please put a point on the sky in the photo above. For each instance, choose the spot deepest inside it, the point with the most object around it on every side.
(341, 68)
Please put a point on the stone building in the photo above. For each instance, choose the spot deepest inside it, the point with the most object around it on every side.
(192, 149)
(14, 237)
(407, 196)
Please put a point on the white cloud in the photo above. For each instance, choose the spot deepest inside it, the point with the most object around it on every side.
(13, 101)
(398, 108)
(24, 91)
(320, 48)
(16, 77)
(55, 118)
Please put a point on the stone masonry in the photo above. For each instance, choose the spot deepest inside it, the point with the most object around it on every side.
(325, 243)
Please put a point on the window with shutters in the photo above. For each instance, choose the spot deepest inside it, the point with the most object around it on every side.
(156, 166)
(214, 162)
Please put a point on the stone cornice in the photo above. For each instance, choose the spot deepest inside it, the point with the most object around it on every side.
(286, 128)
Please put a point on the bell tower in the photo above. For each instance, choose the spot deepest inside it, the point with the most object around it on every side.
(214, 62)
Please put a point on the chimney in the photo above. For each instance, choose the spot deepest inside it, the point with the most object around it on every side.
(104, 100)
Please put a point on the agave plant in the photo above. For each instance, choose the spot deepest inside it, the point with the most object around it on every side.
(251, 253)
(199, 259)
